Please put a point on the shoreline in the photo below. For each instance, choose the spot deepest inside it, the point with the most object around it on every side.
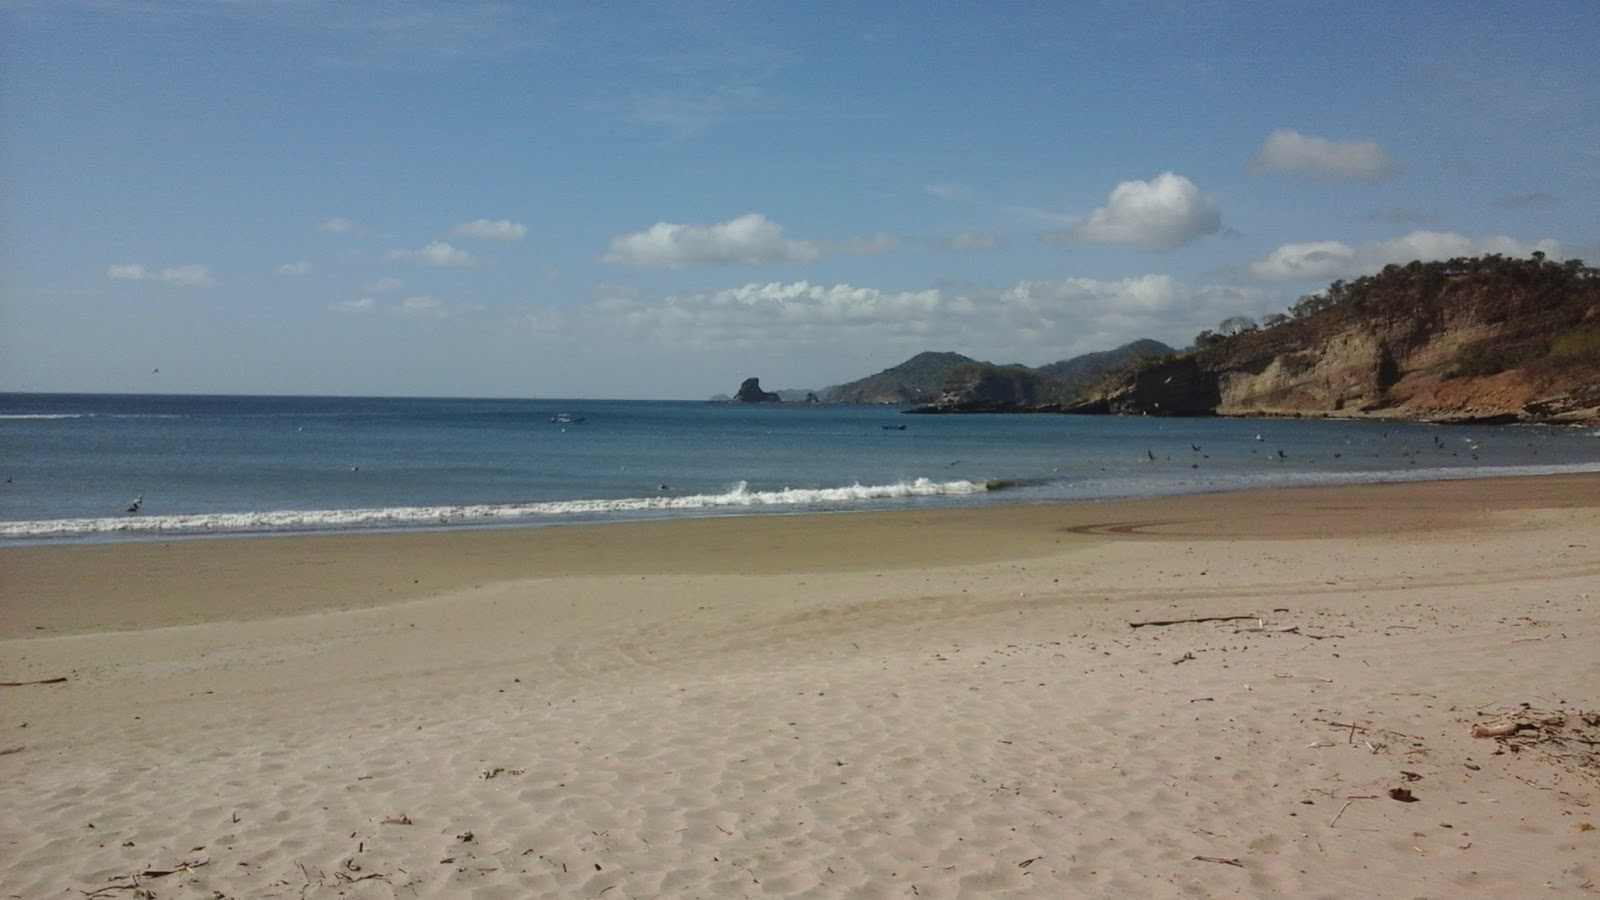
(72, 588)
(950, 701)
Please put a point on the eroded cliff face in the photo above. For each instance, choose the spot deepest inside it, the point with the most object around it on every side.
(1421, 343)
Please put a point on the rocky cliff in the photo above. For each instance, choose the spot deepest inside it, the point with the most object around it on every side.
(750, 392)
(1483, 339)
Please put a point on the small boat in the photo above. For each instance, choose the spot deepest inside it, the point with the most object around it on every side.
(567, 419)
(892, 427)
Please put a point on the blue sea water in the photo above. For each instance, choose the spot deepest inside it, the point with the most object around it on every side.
(199, 465)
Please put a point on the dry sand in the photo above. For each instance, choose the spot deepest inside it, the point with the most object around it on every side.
(911, 704)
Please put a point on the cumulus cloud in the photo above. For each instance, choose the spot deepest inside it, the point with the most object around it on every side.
(495, 230)
(295, 268)
(749, 240)
(177, 276)
(337, 226)
(1327, 260)
(437, 253)
(1289, 151)
(1164, 213)
(974, 241)
(1033, 321)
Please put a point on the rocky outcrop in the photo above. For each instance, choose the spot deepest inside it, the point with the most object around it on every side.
(750, 392)
(1471, 340)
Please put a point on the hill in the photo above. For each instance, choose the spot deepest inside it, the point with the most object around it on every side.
(917, 380)
(1482, 339)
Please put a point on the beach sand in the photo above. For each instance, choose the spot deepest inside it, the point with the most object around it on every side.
(930, 704)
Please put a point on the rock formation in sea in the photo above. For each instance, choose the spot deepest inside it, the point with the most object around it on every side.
(750, 392)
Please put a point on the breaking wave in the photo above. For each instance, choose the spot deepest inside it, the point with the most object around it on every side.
(739, 497)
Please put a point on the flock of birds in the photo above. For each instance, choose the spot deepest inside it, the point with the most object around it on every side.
(1410, 454)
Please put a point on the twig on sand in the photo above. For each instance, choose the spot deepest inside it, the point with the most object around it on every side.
(1187, 621)
(1219, 859)
(60, 680)
(1347, 801)
(133, 880)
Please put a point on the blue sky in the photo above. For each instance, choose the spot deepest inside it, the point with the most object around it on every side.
(657, 200)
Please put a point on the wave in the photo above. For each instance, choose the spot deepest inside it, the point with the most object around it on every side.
(740, 497)
(44, 415)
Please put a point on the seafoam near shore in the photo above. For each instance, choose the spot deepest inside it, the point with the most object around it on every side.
(859, 705)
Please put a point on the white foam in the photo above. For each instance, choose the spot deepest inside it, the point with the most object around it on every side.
(425, 516)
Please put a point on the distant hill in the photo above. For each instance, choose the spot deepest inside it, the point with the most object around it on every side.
(1082, 372)
(917, 380)
(986, 387)
(1484, 339)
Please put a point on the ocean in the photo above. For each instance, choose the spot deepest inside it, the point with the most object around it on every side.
(94, 467)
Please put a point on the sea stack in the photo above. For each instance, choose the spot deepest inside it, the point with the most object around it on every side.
(751, 392)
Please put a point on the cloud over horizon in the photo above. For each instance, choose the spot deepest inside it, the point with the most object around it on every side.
(436, 253)
(1038, 320)
(1329, 260)
(1291, 152)
(1164, 213)
(749, 240)
(494, 230)
(193, 275)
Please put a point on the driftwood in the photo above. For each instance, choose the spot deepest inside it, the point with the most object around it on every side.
(26, 683)
(1187, 621)
(133, 880)
(1219, 859)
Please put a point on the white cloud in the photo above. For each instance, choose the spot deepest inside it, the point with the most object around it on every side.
(337, 226)
(295, 268)
(177, 276)
(437, 253)
(973, 241)
(748, 240)
(354, 307)
(1328, 260)
(496, 229)
(420, 306)
(1164, 213)
(385, 285)
(1032, 321)
(1286, 150)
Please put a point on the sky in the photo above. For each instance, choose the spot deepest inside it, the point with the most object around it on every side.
(591, 199)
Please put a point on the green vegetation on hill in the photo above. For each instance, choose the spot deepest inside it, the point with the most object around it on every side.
(1488, 338)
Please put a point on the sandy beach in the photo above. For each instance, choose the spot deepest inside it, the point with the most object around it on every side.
(991, 702)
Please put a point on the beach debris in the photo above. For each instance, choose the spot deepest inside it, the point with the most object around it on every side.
(1347, 801)
(59, 680)
(133, 882)
(1158, 622)
(1404, 795)
(401, 819)
(1227, 861)
(1567, 737)
(1183, 659)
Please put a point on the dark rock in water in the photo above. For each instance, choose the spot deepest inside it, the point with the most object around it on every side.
(751, 392)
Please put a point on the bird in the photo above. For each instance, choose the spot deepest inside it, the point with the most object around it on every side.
(137, 502)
